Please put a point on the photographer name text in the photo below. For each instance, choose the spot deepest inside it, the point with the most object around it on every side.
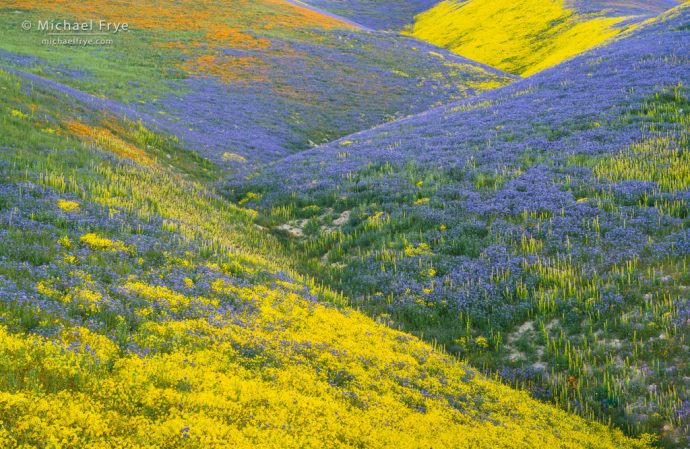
(88, 26)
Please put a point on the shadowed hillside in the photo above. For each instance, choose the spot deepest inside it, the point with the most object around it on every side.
(386, 15)
(539, 230)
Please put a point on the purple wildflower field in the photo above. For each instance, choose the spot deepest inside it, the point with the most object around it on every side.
(286, 224)
(307, 87)
(508, 208)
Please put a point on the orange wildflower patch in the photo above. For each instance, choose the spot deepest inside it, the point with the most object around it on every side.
(295, 16)
(233, 37)
(152, 14)
(184, 15)
(108, 141)
(224, 24)
(229, 69)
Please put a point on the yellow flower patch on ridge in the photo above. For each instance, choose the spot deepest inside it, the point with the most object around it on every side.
(520, 36)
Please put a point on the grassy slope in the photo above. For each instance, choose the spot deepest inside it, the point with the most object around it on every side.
(135, 313)
(539, 230)
(521, 37)
(239, 80)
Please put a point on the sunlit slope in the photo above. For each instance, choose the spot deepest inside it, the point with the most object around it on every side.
(134, 312)
(539, 230)
(521, 36)
(242, 82)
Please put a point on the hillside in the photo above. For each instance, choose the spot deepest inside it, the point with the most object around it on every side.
(526, 36)
(287, 224)
(388, 15)
(539, 230)
(139, 309)
(241, 82)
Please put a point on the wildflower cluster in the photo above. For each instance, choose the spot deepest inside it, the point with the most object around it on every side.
(145, 318)
(527, 36)
(240, 82)
(539, 231)
(559, 203)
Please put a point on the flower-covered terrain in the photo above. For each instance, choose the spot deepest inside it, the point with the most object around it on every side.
(540, 230)
(386, 15)
(527, 36)
(242, 81)
(139, 309)
(204, 243)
